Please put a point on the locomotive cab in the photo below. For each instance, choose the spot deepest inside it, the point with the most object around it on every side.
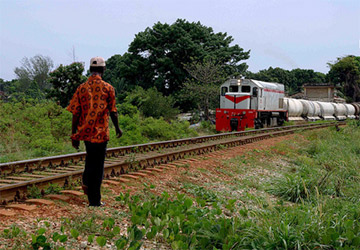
(246, 103)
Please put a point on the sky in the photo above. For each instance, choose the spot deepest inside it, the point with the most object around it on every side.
(289, 34)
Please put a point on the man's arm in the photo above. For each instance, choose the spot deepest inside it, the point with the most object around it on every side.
(75, 122)
(115, 121)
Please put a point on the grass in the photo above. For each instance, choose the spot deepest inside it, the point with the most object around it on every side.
(31, 130)
(298, 194)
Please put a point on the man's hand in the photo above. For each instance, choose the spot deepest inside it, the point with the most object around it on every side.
(75, 144)
(75, 122)
(114, 119)
(118, 133)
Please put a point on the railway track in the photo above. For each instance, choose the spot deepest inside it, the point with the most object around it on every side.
(16, 177)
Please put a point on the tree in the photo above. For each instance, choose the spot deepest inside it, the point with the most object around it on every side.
(346, 73)
(293, 80)
(34, 91)
(203, 87)
(302, 76)
(12, 90)
(64, 81)
(36, 69)
(152, 103)
(156, 57)
(114, 75)
(2, 84)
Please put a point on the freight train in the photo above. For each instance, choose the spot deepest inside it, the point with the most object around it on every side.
(247, 103)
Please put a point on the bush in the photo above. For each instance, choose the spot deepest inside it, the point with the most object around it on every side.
(293, 188)
(127, 109)
(153, 103)
(34, 129)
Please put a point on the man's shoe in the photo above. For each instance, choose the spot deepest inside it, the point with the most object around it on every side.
(85, 189)
(102, 204)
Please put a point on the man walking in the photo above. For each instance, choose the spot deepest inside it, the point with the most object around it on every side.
(90, 106)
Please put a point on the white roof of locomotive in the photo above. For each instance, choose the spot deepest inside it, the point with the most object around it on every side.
(260, 84)
(268, 85)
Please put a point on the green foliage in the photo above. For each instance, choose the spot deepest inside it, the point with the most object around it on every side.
(14, 92)
(11, 233)
(101, 241)
(158, 129)
(184, 225)
(32, 129)
(208, 126)
(321, 172)
(33, 192)
(200, 192)
(316, 205)
(156, 56)
(36, 69)
(202, 90)
(152, 103)
(180, 223)
(292, 79)
(139, 130)
(354, 123)
(65, 80)
(52, 189)
(127, 109)
(293, 188)
(345, 72)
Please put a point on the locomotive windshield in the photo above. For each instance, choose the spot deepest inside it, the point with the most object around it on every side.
(245, 89)
(234, 89)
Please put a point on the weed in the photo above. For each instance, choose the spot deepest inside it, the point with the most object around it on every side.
(53, 189)
(33, 192)
(200, 192)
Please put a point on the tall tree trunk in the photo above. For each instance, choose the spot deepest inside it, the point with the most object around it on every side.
(206, 111)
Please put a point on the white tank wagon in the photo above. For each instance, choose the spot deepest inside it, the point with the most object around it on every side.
(357, 109)
(340, 111)
(317, 112)
(327, 110)
(311, 110)
(350, 111)
(308, 109)
(314, 110)
(294, 108)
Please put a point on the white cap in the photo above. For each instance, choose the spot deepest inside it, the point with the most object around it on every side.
(97, 62)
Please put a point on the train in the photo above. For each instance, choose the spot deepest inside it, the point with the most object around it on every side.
(248, 103)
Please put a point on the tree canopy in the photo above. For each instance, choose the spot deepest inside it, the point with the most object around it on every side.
(156, 57)
(203, 88)
(36, 69)
(292, 79)
(64, 81)
(345, 72)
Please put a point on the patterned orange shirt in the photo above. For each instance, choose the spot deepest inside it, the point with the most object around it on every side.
(92, 101)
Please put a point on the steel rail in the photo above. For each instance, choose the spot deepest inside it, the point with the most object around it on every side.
(38, 163)
(115, 168)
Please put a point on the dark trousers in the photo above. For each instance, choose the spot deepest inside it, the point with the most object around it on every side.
(94, 171)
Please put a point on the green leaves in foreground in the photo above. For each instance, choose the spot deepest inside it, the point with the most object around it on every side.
(185, 225)
(180, 223)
